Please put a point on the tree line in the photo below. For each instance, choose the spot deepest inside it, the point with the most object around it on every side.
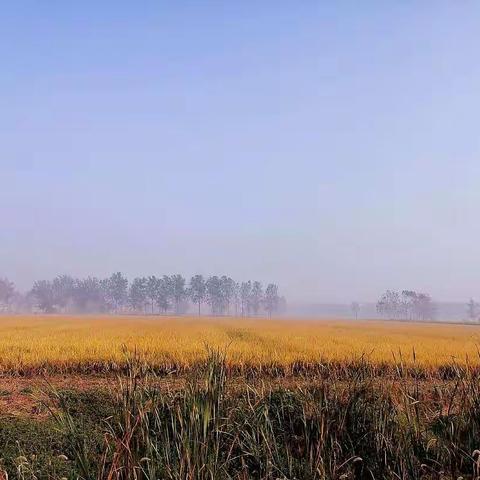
(406, 305)
(473, 311)
(220, 295)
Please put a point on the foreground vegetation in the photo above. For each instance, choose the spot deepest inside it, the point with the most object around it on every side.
(92, 344)
(220, 428)
(223, 398)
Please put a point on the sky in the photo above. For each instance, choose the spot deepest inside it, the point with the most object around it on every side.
(330, 147)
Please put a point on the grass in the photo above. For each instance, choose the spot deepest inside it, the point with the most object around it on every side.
(363, 400)
(32, 448)
(33, 344)
(357, 429)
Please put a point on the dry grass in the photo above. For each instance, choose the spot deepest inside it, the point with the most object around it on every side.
(69, 343)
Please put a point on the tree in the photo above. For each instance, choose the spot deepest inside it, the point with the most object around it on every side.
(44, 295)
(245, 292)
(90, 295)
(236, 297)
(7, 292)
(355, 307)
(472, 307)
(64, 291)
(164, 293)
(272, 299)
(168, 293)
(197, 290)
(151, 290)
(389, 304)
(214, 294)
(138, 293)
(179, 292)
(424, 307)
(256, 297)
(407, 304)
(21, 302)
(227, 293)
(117, 287)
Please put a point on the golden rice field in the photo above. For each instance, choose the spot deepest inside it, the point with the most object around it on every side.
(87, 343)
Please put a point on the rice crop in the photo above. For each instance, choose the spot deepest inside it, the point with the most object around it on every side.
(30, 344)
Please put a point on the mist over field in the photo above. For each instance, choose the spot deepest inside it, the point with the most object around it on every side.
(239, 240)
(331, 151)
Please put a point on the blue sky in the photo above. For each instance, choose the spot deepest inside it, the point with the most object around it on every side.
(332, 147)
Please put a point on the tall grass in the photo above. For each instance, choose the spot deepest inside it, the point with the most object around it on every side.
(355, 428)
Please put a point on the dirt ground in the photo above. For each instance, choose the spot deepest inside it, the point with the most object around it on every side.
(25, 395)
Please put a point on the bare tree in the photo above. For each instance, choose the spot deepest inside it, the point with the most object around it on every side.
(409, 305)
(472, 310)
(424, 308)
(355, 307)
(389, 304)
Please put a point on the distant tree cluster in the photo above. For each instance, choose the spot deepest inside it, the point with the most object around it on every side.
(473, 314)
(355, 308)
(163, 294)
(7, 294)
(407, 305)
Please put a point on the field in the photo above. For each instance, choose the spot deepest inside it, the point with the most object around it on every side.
(30, 344)
(150, 398)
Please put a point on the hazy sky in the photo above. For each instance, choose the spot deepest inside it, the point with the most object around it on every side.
(332, 147)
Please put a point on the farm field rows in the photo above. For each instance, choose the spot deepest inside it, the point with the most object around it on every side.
(73, 343)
